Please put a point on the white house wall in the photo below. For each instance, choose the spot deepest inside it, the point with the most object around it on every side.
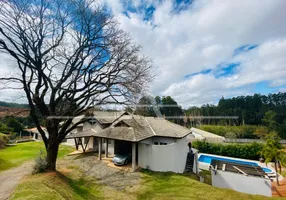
(241, 183)
(70, 141)
(110, 147)
(170, 157)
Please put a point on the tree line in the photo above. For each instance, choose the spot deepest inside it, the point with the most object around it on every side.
(259, 110)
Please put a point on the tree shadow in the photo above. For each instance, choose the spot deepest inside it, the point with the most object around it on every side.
(84, 155)
(80, 186)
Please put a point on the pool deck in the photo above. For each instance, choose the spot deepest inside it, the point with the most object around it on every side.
(205, 166)
(279, 191)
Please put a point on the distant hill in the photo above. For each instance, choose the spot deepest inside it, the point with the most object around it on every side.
(13, 105)
(14, 109)
(16, 112)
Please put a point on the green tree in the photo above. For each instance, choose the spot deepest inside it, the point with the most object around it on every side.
(261, 131)
(270, 120)
(69, 56)
(272, 151)
(4, 128)
(171, 109)
(14, 124)
(145, 106)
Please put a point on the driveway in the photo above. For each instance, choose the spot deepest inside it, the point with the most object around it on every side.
(9, 179)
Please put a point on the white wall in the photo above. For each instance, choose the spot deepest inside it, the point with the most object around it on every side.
(70, 142)
(196, 162)
(110, 147)
(163, 140)
(241, 183)
(170, 157)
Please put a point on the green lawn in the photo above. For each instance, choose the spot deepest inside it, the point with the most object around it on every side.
(55, 186)
(70, 183)
(13, 156)
(65, 185)
(175, 186)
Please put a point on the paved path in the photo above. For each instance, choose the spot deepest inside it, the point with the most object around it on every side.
(9, 179)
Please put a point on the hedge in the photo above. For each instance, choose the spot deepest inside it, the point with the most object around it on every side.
(3, 140)
(246, 151)
(246, 131)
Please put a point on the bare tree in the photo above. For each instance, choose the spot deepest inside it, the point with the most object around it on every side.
(70, 55)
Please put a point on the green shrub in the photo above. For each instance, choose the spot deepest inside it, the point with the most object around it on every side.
(230, 135)
(246, 131)
(4, 139)
(40, 163)
(246, 151)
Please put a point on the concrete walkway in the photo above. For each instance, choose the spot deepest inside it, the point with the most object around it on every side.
(9, 179)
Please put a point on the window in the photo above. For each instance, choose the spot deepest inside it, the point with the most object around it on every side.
(163, 143)
(92, 121)
(156, 143)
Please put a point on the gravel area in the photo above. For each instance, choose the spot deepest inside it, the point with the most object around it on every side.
(116, 178)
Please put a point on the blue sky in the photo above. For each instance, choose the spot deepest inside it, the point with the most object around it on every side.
(206, 49)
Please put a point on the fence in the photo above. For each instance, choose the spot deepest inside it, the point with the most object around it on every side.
(243, 140)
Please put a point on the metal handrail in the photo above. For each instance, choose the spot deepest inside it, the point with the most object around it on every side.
(240, 171)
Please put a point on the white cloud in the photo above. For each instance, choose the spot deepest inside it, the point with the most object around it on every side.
(205, 35)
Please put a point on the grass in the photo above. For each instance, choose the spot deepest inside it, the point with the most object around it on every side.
(71, 185)
(13, 156)
(55, 186)
(175, 186)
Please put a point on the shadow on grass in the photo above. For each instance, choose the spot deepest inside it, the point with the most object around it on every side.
(81, 187)
(84, 155)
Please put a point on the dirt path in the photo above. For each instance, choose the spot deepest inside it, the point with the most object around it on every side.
(10, 179)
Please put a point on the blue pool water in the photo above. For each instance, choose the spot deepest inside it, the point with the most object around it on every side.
(207, 159)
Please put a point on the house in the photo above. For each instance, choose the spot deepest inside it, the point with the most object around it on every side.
(154, 143)
(36, 134)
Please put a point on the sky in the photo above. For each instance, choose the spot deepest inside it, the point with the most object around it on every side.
(205, 49)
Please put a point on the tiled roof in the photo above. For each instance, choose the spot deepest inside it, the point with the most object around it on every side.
(104, 117)
(137, 128)
(118, 133)
(85, 133)
(77, 119)
(35, 129)
(165, 128)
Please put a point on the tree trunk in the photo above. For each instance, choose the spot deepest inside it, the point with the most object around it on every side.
(52, 154)
(277, 180)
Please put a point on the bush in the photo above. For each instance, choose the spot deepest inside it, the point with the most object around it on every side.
(246, 131)
(40, 163)
(4, 139)
(246, 151)
(231, 135)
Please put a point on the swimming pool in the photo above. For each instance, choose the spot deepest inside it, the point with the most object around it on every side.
(208, 158)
